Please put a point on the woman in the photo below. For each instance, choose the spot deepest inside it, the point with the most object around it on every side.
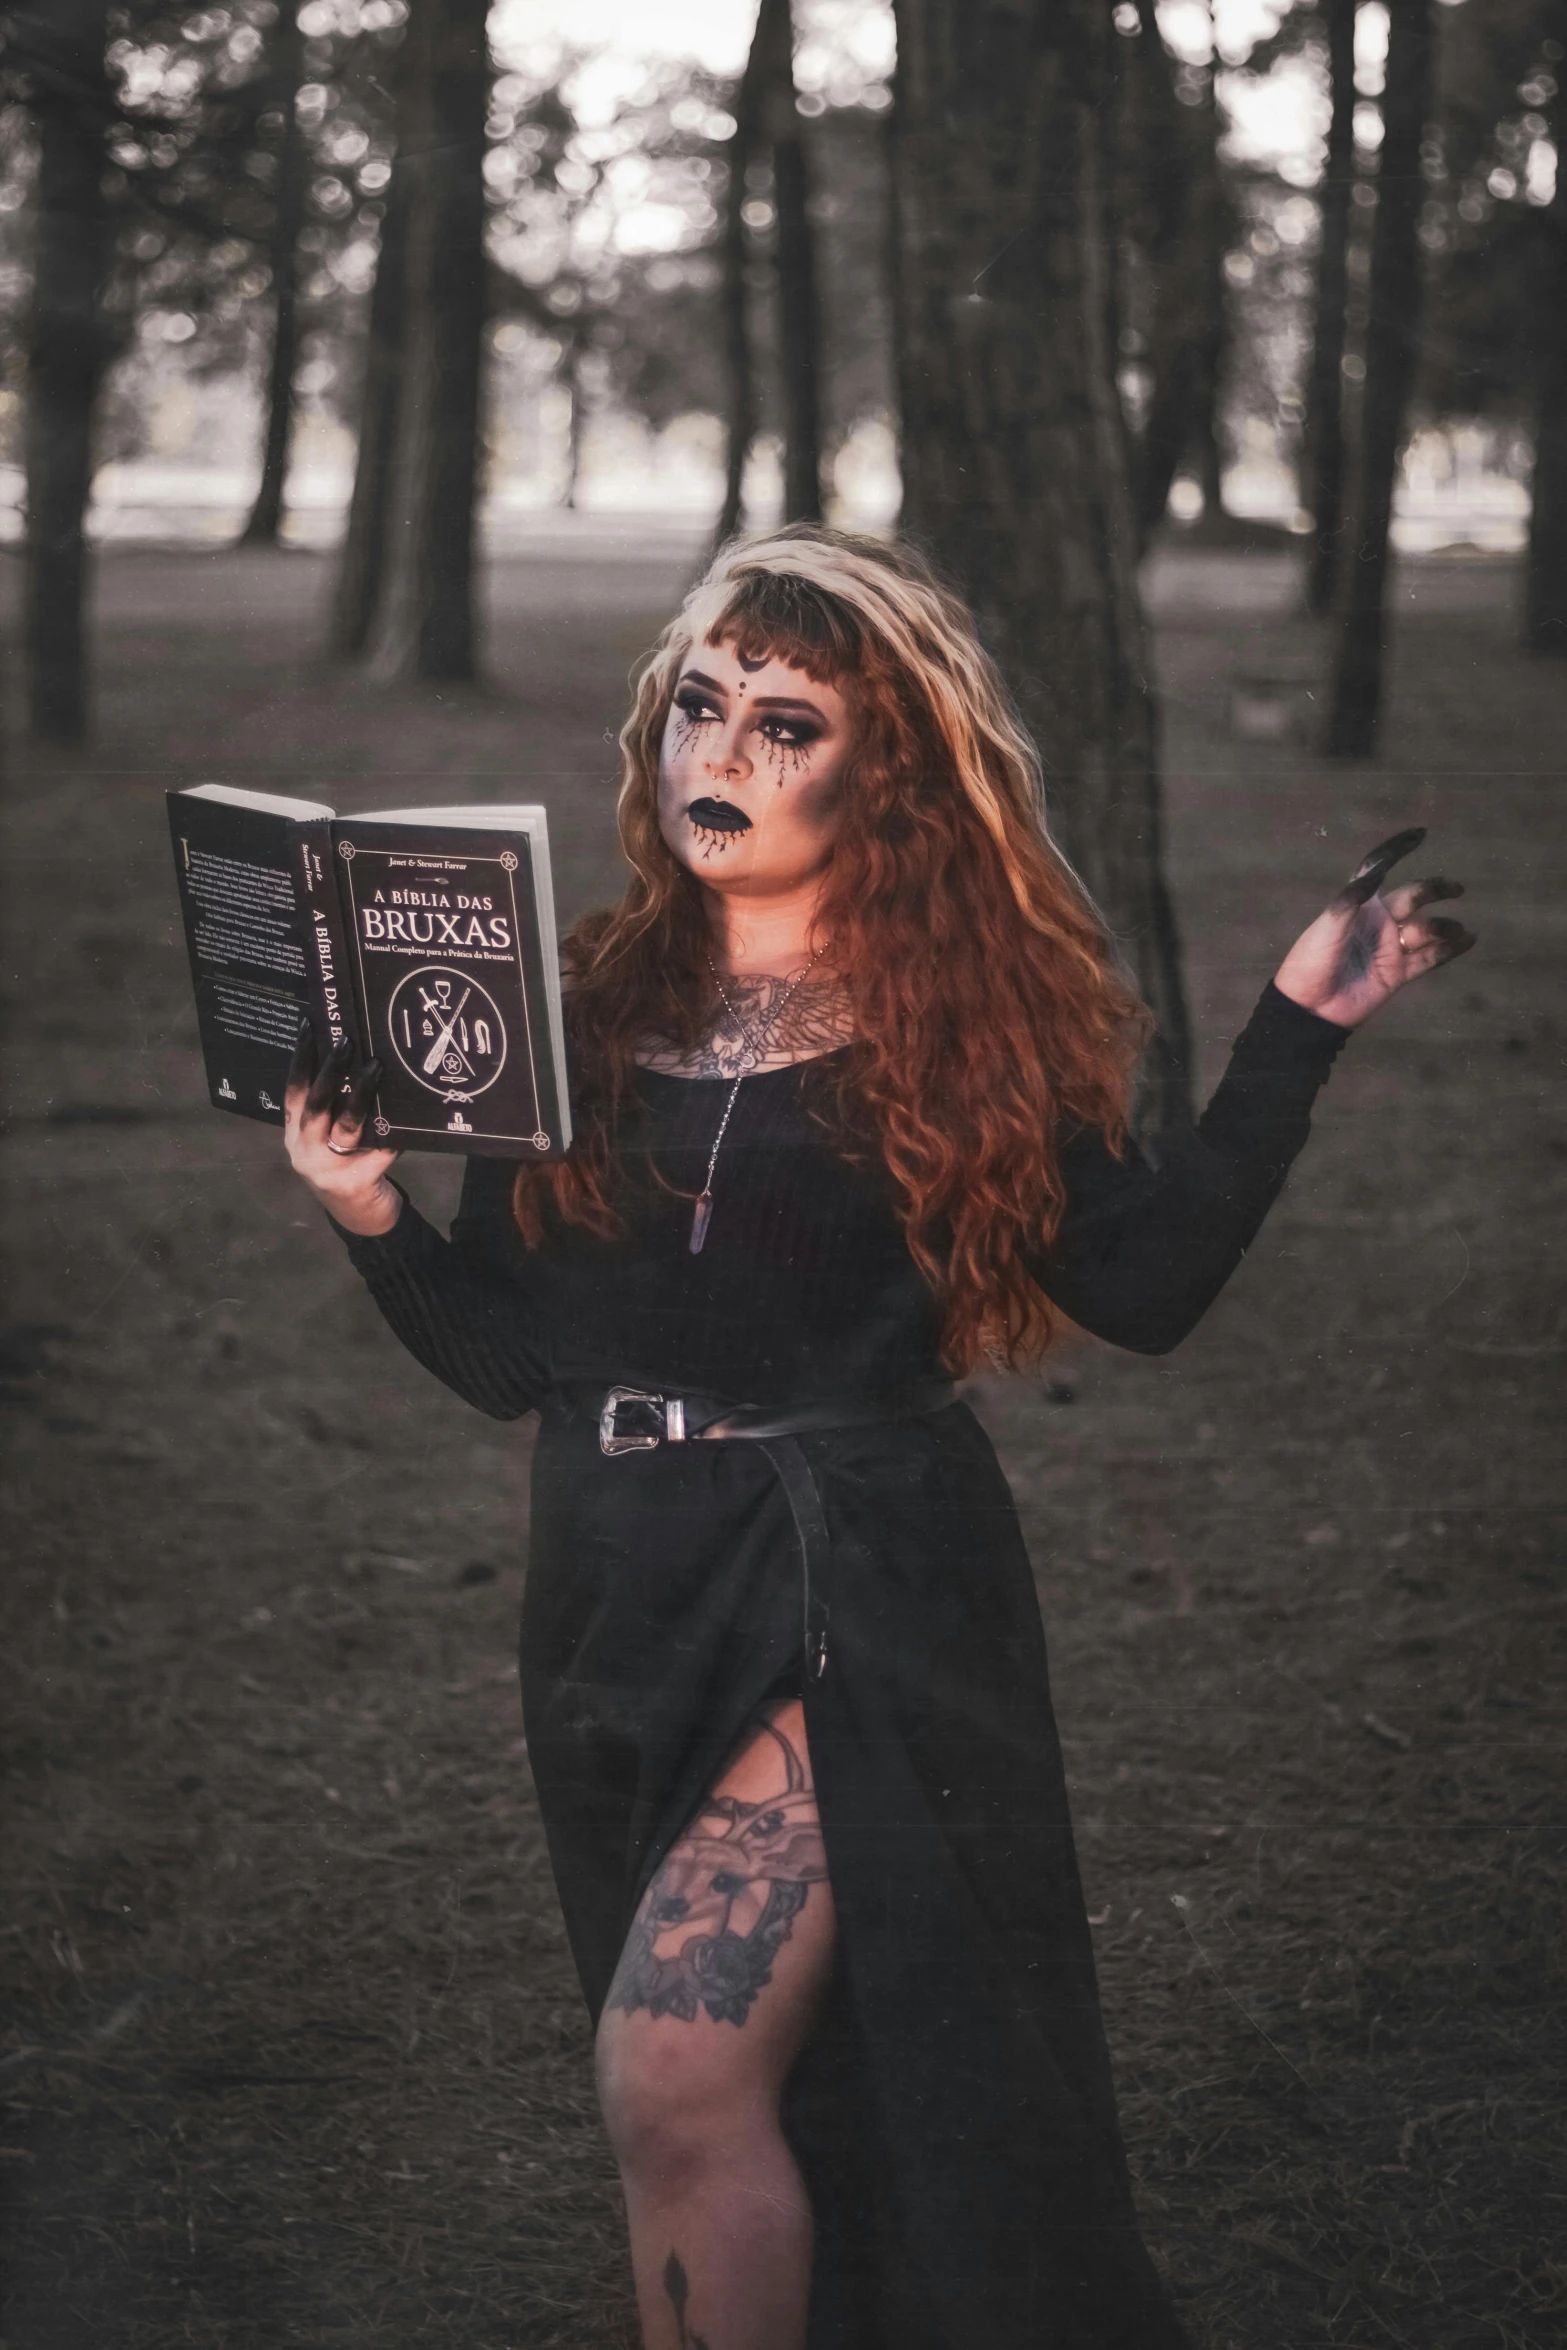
(853, 1056)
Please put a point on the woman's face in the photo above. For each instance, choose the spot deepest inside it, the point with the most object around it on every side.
(751, 772)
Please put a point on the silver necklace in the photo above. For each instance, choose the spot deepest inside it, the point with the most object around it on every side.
(702, 1213)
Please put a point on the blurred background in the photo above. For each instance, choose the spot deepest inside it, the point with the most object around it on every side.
(377, 375)
(252, 155)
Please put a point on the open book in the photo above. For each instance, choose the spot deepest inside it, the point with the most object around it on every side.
(425, 936)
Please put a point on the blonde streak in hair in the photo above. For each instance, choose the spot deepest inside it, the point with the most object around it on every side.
(702, 608)
(981, 692)
(654, 686)
(1017, 752)
(652, 678)
(956, 720)
(969, 708)
(635, 818)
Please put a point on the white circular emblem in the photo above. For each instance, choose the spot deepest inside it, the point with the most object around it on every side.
(345, 848)
(541, 1142)
(509, 860)
(447, 1032)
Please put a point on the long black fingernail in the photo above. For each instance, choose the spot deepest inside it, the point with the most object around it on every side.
(1374, 868)
(1451, 936)
(1387, 852)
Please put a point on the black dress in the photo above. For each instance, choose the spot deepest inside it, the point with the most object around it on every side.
(954, 2115)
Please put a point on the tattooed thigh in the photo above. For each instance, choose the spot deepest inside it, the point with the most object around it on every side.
(734, 1888)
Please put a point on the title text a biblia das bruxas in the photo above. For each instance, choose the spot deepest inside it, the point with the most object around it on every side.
(432, 918)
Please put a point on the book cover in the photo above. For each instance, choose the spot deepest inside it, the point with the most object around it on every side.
(233, 860)
(422, 937)
(447, 960)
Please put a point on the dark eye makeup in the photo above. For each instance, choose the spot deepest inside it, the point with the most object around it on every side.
(792, 734)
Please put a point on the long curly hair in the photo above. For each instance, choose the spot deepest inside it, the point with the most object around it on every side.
(989, 1009)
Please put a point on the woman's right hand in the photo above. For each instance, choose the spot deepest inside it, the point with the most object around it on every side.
(321, 1130)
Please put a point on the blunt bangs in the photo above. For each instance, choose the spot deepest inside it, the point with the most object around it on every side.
(773, 615)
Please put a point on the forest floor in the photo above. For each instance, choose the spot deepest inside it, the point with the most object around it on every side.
(295, 2053)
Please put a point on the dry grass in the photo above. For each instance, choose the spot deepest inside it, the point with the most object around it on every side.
(296, 2053)
(299, 2055)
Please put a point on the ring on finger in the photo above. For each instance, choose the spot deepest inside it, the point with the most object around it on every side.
(1402, 940)
(343, 1150)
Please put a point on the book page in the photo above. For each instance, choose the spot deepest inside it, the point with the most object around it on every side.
(242, 912)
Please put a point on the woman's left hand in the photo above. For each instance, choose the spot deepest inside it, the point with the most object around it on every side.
(1366, 946)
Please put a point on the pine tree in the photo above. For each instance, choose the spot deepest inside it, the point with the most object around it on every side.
(425, 621)
(1392, 353)
(1545, 577)
(288, 218)
(767, 124)
(60, 52)
(1325, 387)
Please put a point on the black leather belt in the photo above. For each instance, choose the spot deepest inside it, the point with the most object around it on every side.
(636, 1419)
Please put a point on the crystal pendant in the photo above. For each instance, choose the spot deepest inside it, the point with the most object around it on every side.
(701, 1217)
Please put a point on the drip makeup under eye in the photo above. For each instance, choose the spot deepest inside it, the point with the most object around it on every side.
(789, 742)
(691, 710)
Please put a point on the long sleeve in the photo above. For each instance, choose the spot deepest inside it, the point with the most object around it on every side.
(450, 1302)
(1143, 1251)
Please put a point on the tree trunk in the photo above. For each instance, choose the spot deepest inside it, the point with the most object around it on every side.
(1207, 454)
(1156, 161)
(1187, 338)
(288, 216)
(1545, 574)
(571, 370)
(425, 621)
(1392, 348)
(1325, 384)
(740, 422)
(1210, 234)
(1016, 467)
(799, 310)
(361, 563)
(69, 348)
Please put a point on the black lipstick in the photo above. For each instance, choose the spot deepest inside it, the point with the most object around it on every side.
(718, 816)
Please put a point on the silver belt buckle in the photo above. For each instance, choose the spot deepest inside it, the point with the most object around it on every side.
(671, 1407)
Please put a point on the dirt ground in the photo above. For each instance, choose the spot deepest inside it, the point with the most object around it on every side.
(294, 2050)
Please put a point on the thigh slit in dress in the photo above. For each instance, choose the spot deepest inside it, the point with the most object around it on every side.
(954, 2114)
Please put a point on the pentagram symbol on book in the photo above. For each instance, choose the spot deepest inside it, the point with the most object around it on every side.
(447, 1032)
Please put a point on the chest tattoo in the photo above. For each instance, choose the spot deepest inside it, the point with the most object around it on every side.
(816, 1019)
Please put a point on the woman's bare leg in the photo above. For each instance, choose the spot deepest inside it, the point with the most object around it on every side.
(717, 1988)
